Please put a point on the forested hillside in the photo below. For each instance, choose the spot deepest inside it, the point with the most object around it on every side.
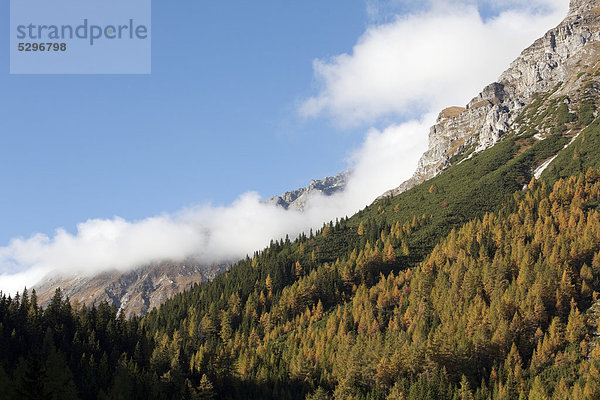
(480, 283)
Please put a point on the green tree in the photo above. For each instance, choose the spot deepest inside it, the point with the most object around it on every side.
(30, 378)
(59, 378)
(206, 390)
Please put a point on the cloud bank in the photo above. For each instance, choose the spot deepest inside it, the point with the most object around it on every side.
(406, 69)
(425, 61)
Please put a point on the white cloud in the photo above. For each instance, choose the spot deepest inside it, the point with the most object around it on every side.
(413, 66)
(426, 61)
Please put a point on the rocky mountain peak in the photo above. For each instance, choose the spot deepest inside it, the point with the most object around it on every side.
(557, 61)
(296, 199)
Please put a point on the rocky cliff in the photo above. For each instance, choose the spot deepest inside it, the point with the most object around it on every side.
(564, 56)
(296, 199)
(135, 291)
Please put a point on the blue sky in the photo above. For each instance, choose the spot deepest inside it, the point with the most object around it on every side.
(217, 117)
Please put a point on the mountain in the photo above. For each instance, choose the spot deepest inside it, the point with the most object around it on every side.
(481, 282)
(567, 55)
(136, 291)
(297, 199)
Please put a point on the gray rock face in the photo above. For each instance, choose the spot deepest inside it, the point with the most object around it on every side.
(297, 199)
(558, 57)
(136, 291)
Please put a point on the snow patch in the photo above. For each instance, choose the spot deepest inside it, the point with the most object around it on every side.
(540, 170)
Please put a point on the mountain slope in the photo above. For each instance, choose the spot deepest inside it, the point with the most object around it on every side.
(341, 314)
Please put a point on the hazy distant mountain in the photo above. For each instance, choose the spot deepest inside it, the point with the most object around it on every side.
(136, 291)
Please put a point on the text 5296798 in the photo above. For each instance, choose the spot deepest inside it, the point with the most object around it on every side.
(39, 47)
